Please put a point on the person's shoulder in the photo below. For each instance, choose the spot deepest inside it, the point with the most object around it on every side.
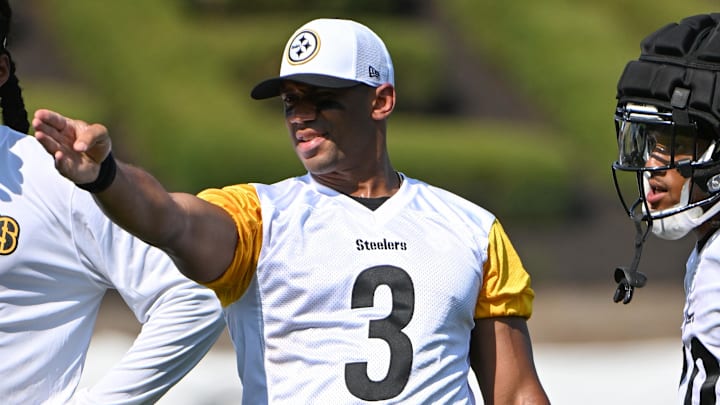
(12, 140)
(285, 188)
(9, 134)
(711, 251)
(444, 195)
(23, 157)
(290, 182)
(25, 147)
(243, 191)
(439, 202)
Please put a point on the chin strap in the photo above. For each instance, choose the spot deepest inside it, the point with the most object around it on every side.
(629, 279)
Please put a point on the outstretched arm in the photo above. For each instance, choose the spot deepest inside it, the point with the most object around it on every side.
(199, 236)
(501, 357)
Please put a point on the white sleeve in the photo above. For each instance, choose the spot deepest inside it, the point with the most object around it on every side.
(181, 320)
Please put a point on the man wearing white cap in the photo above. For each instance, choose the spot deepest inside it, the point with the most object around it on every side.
(352, 283)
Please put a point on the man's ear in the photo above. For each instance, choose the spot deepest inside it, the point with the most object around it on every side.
(4, 68)
(384, 102)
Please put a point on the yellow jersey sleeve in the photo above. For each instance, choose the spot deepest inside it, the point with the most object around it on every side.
(506, 289)
(242, 203)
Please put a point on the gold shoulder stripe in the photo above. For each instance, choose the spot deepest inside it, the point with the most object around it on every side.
(242, 203)
(506, 289)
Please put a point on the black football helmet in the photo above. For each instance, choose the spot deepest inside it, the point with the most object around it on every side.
(668, 109)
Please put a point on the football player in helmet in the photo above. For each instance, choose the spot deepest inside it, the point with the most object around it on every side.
(668, 127)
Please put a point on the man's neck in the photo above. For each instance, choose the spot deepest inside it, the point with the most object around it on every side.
(384, 185)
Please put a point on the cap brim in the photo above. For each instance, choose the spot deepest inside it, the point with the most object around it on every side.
(272, 87)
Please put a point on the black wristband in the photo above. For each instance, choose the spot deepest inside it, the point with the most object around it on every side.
(108, 169)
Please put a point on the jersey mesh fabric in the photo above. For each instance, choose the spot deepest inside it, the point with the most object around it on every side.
(59, 254)
(700, 331)
(348, 305)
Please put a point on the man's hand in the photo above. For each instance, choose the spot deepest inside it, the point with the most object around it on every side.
(78, 147)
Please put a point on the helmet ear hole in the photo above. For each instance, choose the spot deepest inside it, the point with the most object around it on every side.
(680, 97)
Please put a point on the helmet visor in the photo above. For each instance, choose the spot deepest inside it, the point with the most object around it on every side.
(649, 142)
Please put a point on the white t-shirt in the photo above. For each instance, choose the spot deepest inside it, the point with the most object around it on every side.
(59, 254)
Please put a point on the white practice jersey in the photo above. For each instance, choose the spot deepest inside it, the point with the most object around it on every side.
(340, 304)
(701, 326)
(59, 254)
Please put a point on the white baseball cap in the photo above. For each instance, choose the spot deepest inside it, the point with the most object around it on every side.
(333, 53)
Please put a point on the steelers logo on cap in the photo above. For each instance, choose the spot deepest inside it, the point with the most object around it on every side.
(303, 47)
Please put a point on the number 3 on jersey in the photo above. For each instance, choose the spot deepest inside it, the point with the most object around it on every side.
(388, 329)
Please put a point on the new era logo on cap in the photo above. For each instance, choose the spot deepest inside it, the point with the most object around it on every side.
(331, 53)
(372, 72)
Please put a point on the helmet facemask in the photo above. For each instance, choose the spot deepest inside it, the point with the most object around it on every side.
(650, 142)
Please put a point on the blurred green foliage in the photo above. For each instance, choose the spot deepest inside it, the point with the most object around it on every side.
(171, 78)
(334, 7)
